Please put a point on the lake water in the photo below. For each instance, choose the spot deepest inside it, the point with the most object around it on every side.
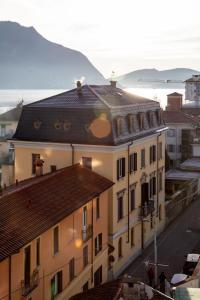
(9, 98)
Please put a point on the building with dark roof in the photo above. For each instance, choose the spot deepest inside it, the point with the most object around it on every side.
(42, 238)
(116, 134)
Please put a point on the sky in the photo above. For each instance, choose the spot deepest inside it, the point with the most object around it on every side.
(116, 35)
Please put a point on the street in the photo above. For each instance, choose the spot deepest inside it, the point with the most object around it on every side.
(178, 239)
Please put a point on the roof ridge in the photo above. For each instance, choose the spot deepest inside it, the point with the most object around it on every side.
(97, 95)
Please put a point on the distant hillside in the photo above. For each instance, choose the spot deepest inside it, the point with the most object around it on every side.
(27, 60)
(157, 79)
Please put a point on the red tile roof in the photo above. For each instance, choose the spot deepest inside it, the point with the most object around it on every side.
(175, 94)
(170, 117)
(37, 204)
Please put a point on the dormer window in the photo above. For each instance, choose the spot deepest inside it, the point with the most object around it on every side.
(131, 125)
(119, 125)
(141, 121)
(150, 119)
(159, 116)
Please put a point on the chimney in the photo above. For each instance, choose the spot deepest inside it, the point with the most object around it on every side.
(174, 102)
(79, 87)
(113, 83)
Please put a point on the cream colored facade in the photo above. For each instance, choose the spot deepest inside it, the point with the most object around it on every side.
(71, 246)
(104, 162)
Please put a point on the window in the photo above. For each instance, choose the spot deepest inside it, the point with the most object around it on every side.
(38, 252)
(150, 117)
(71, 269)
(159, 116)
(160, 150)
(131, 123)
(84, 217)
(141, 121)
(27, 266)
(35, 157)
(160, 181)
(86, 287)
(133, 162)
(120, 207)
(132, 236)
(132, 206)
(120, 247)
(3, 130)
(171, 148)
(119, 125)
(85, 256)
(53, 168)
(152, 154)
(98, 276)
(98, 243)
(171, 132)
(87, 162)
(179, 148)
(120, 168)
(143, 158)
(97, 208)
(55, 240)
(56, 284)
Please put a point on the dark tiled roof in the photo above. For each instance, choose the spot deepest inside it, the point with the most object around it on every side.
(170, 117)
(175, 94)
(97, 107)
(106, 291)
(12, 115)
(98, 96)
(37, 204)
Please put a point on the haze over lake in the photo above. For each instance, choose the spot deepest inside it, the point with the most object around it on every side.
(9, 98)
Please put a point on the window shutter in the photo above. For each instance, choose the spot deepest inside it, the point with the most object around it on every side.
(95, 246)
(53, 287)
(123, 166)
(60, 282)
(150, 155)
(154, 185)
(154, 153)
(118, 169)
(135, 161)
(100, 241)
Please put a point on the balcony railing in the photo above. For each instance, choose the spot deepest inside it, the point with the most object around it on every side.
(33, 283)
(148, 208)
(87, 233)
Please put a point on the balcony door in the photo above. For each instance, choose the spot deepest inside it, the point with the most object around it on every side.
(27, 265)
(144, 193)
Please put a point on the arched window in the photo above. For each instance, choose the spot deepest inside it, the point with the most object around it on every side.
(120, 248)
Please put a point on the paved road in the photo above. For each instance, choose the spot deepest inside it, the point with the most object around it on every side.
(180, 238)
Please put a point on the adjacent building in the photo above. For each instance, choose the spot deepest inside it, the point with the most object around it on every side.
(183, 130)
(54, 235)
(8, 125)
(118, 135)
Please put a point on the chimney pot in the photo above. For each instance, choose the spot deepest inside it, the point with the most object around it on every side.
(113, 83)
(79, 87)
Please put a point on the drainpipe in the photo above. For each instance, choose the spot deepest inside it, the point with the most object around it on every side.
(128, 216)
(9, 277)
(72, 146)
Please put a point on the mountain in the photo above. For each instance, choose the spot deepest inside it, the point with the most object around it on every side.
(153, 78)
(29, 61)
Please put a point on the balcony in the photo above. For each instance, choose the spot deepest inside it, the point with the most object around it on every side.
(87, 233)
(33, 283)
(148, 208)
